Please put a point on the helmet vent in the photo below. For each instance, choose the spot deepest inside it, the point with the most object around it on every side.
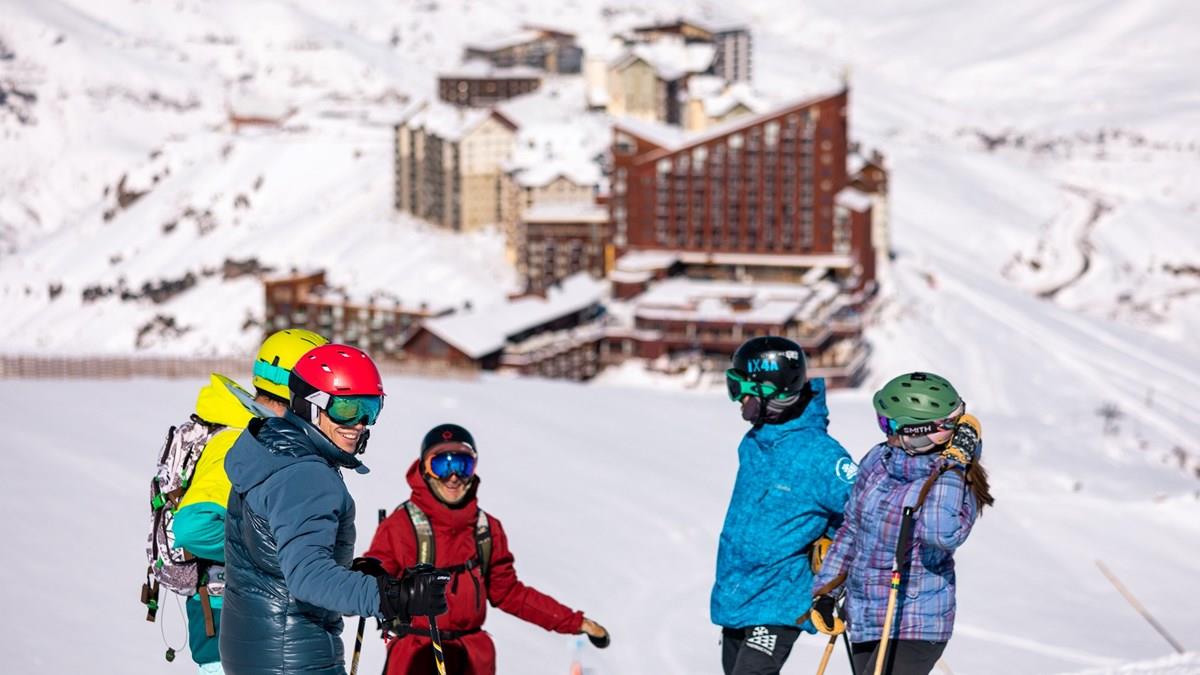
(896, 399)
(905, 385)
(325, 367)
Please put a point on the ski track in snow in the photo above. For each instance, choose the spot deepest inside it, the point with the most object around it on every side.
(1035, 646)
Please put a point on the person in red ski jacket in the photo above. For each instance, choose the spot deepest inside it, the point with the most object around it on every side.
(457, 539)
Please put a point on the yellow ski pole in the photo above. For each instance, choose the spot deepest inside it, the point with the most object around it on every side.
(827, 654)
(906, 525)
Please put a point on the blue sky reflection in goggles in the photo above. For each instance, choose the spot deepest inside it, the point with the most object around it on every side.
(349, 410)
(443, 465)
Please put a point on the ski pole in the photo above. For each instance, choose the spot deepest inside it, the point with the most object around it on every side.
(362, 625)
(1138, 606)
(906, 526)
(362, 621)
(439, 657)
(849, 652)
(825, 656)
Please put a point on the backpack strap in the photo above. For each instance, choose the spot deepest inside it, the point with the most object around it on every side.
(483, 543)
(423, 531)
(210, 626)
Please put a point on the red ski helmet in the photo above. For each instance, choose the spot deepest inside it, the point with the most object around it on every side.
(329, 371)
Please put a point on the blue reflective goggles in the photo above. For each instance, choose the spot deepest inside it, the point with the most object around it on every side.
(443, 465)
(348, 410)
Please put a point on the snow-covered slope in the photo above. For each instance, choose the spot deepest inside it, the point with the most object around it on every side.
(613, 499)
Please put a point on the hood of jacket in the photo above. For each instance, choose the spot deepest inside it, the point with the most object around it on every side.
(223, 401)
(462, 515)
(815, 417)
(269, 445)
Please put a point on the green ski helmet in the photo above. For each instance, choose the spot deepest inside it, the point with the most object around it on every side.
(919, 408)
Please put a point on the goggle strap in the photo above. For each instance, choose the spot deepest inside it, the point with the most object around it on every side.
(271, 372)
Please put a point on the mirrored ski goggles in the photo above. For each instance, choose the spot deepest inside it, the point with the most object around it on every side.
(348, 410)
(907, 426)
(271, 372)
(740, 386)
(443, 465)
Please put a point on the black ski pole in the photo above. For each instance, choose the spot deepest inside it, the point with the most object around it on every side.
(849, 652)
(362, 621)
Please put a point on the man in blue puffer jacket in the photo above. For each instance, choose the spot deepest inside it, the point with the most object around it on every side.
(792, 483)
(289, 528)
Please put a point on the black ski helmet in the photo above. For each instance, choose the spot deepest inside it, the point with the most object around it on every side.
(772, 359)
(447, 435)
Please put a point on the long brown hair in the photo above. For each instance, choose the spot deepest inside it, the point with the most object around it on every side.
(977, 480)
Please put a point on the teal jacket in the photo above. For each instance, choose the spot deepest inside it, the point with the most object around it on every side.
(199, 522)
(791, 488)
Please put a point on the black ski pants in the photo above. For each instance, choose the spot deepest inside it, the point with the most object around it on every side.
(756, 650)
(905, 657)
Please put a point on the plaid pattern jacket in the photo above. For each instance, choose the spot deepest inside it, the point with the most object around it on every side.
(865, 546)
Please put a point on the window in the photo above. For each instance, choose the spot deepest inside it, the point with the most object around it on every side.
(625, 145)
(699, 155)
(771, 134)
(735, 142)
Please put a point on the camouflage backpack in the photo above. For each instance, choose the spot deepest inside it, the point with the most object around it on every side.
(174, 568)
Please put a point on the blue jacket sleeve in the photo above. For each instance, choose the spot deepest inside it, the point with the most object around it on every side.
(303, 504)
(200, 529)
(948, 513)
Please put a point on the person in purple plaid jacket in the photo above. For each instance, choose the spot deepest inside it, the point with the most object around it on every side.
(931, 446)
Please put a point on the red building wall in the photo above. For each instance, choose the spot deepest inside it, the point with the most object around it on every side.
(766, 186)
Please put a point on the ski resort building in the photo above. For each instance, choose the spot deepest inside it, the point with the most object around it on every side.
(748, 228)
(559, 240)
(479, 84)
(448, 161)
(555, 335)
(378, 323)
(732, 48)
(547, 49)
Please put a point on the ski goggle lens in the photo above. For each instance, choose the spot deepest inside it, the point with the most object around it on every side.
(910, 427)
(353, 409)
(443, 465)
(740, 386)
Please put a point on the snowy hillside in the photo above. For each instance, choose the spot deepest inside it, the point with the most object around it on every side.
(1062, 130)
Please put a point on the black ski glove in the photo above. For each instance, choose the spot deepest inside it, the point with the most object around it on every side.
(420, 592)
(368, 566)
(827, 616)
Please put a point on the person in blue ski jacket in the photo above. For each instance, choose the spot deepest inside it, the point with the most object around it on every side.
(792, 483)
(289, 527)
(930, 461)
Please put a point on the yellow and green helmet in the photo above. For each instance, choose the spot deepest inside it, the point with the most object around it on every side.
(278, 355)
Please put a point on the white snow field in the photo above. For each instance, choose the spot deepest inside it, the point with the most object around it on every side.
(1045, 193)
(613, 498)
